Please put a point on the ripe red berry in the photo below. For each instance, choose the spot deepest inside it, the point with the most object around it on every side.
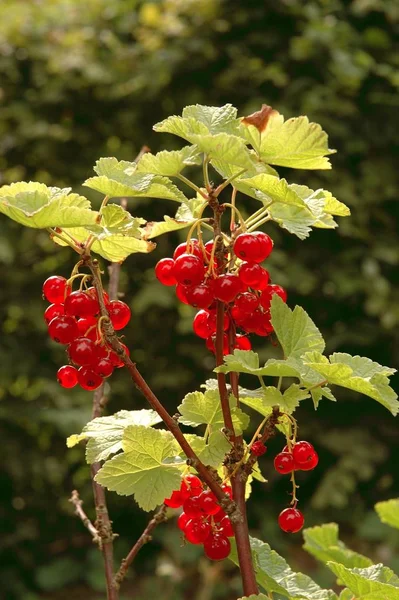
(192, 507)
(203, 324)
(219, 515)
(193, 248)
(208, 503)
(117, 360)
(226, 287)
(82, 351)
(55, 289)
(291, 520)
(52, 311)
(182, 521)
(258, 448)
(263, 281)
(67, 376)
(217, 546)
(199, 296)
(210, 344)
(243, 343)
(164, 271)
(310, 465)
(63, 329)
(181, 293)
(175, 501)
(267, 295)
(284, 463)
(302, 452)
(80, 304)
(250, 274)
(88, 379)
(225, 527)
(119, 313)
(88, 328)
(246, 303)
(194, 484)
(104, 368)
(189, 269)
(197, 531)
(253, 247)
(92, 292)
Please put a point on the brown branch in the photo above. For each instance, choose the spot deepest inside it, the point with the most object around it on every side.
(145, 537)
(113, 341)
(77, 502)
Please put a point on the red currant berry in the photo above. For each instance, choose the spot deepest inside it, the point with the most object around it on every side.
(193, 248)
(185, 490)
(102, 351)
(226, 528)
(119, 313)
(196, 531)
(82, 352)
(266, 244)
(219, 515)
(55, 289)
(63, 329)
(181, 293)
(284, 463)
(80, 304)
(217, 546)
(210, 344)
(267, 294)
(227, 287)
(52, 311)
(243, 343)
(208, 503)
(192, 507)
(92, 292)
(258, 448)
(88, 379)
(246, 303)
(250, 274)
(67, 376)
(189, 269)
(203, 324)
(175, 501)
(164, 271)
(264, 327)
(117, 360)
(310, 465)
(194, 484)
(182, 521)
(291, 520)
(302, 452)
(263, 281)
(104, 368)
(88, 328)
(200, 296)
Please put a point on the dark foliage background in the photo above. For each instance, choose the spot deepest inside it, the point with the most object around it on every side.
(84, 80)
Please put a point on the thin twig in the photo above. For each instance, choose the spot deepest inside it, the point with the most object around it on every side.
(145, 537)
(77, 502)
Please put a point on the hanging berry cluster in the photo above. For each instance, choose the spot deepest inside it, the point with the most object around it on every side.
(202, 521)
(240, 282)
(297, 456)
(73, 320)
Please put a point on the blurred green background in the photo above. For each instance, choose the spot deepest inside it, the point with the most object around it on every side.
(80, 80)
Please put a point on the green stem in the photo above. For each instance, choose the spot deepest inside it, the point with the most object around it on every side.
(69, 243)
(223, 185)
(256, 215)
(256, 225)
(206, 173)
(192, 186)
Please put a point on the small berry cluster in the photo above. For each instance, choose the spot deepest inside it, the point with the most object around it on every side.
(245, 288)
(202, 521)
(73, 320)
(300, 456)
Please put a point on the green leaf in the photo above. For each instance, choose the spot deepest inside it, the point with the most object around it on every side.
(295, 330)
(142, 469)
(120, 178)
(274, 575)
(371, 583)
(321, 392)
(262, 399)
(323, 543)
(356, 373)
(104, 434)
(321, 200)
(254, 597)
(247, 361)
(295, 143)
(226, 148)
(116, 236)
(270, 189)
(211, 452)
(217, 119)
(388, 512)
(38, 206)
(169, 163)
(185, 216)
(199, 409)
(182, 127)
(294, 219)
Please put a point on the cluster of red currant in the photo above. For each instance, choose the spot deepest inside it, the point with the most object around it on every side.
(73, 320)
(202, 521)
(300, 456)
(201, 280)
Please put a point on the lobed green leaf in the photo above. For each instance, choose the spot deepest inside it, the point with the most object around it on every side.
(323, 543)
(200, 408)
(388, 512)
(169, 163)
(371, 583)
